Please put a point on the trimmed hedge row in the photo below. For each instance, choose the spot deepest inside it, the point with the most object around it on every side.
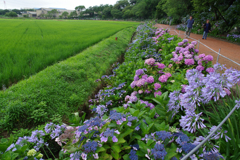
(62, 88)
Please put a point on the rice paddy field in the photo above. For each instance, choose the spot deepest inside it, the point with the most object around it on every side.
(29, 46)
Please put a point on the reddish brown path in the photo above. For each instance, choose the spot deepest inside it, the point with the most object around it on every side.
(229, 50)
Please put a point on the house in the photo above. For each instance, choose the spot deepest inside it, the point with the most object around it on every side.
(43, 11)
(29, 14)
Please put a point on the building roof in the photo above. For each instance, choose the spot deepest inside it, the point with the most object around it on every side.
(32, 12)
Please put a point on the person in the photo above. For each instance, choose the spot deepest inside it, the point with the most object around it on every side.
(190, 22)
(206, 29)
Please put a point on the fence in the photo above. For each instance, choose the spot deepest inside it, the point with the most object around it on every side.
(219, 59)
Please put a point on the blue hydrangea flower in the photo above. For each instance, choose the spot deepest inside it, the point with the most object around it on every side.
(133, 155)
(162, 135)
(159, 151)
(90, 147)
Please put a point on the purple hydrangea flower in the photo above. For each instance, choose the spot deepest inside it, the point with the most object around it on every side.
(145, 77)
(189, 62)
(75, 156)
(136, 78)
(210, 70)
(101, 109)
(133, 99)
(157, 86)
(201, 55)
(139, 72)
(208, 58)
(150, 79)
(161, 66)
(133, 84)
(157, 93)
(200, 68)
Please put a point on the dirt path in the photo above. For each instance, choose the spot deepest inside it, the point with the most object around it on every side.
(229, 50)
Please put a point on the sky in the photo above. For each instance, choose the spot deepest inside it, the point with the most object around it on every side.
(68, 4)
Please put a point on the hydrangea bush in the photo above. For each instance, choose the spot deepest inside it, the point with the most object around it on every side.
(152, 107)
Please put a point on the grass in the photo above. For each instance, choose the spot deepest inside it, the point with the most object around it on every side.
(29, 46)
(62, 88)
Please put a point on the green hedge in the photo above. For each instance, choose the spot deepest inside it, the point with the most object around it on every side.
(62, 88)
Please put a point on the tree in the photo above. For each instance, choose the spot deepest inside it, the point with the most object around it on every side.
(139, 9)
(127, 14)
(11, 14)
(116, 13)
(106, 13)
(54, 13)
(177, 8)
(218, 7)
(120, 5)
(80, 8)
(159, 10)
(65, 14)
(73, 14)
(133, 2)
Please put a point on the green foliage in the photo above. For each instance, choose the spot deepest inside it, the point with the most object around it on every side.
(65, 14)
(61, 88)
(11, 14)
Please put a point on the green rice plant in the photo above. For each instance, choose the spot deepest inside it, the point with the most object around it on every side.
(29, 46)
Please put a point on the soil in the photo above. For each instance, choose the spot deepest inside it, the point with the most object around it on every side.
(228, 49)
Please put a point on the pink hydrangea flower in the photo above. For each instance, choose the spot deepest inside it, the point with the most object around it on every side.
(170, 66)
(189, 62)
(161, 66)
(210, 70)
(140, 82)
(180, 58)
(200, 68)
(147, 91)
(157, 86)
(208, 58)
(168, 75)
(188, 56)
(150, 61)
(201, 55)
(157, 93)
(163, 78)
(186, 52)
(150, 79)
(140, 91)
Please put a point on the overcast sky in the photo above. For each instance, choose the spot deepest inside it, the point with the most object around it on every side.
(68, 4)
